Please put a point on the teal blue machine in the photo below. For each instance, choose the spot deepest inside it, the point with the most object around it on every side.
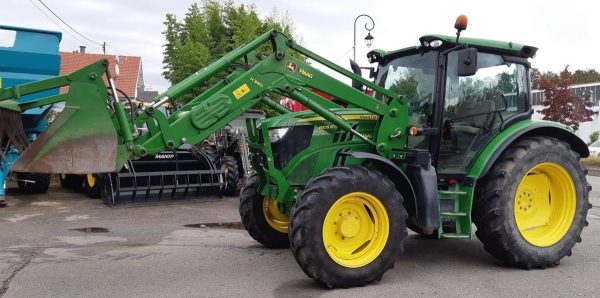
(25, 55)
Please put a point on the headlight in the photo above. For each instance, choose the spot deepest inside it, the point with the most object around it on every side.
(435, 43)
(277, 134)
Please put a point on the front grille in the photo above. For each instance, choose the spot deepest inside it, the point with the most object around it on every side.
(295, 140)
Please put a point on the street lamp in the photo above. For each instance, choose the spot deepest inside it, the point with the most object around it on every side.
(369, 38)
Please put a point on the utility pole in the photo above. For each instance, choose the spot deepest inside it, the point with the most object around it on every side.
(104, 47)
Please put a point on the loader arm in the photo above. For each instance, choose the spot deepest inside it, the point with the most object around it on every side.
(249, 79)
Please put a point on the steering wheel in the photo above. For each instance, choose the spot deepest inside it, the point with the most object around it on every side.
(420, 103)
(494, 96)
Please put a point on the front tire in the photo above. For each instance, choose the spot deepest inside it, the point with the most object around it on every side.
(532, 205)
(40, 182)
(92, 186)
(347, 227)
(261, 216)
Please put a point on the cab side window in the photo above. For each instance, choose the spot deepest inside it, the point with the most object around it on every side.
(476, 105)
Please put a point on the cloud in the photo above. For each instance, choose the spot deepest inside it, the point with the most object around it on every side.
(564, 31)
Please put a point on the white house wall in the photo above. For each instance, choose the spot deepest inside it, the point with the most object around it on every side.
(585, 128)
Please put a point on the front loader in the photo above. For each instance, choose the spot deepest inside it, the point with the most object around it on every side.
(446, 140)
(171, 175)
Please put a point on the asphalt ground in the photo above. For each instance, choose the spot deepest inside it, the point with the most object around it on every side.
(150, 252)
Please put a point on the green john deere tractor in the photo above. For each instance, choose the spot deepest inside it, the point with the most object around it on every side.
(445, 140)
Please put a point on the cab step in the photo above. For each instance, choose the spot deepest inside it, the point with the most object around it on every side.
(443, 194)
(455, 215)
(455, 236)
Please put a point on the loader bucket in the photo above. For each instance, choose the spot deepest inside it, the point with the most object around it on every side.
(82, 139)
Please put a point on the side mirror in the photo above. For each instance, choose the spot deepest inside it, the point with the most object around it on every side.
(467, 62)
(357, 70)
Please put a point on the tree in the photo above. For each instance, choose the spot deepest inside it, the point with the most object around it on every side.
(210, 30)
(244, 24)
(536, 74)
(171, 33)
(586, 76)
(470, 89)
(561, 105)
(580, 76)
(506, 83)
(594, 137)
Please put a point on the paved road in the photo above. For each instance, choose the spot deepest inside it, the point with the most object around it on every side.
(148, 252)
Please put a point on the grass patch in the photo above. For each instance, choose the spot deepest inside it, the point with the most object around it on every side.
(591, 161)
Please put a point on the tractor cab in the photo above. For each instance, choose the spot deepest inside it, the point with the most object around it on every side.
(461, 94)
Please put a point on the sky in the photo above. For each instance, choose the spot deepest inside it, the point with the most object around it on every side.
(565, 32)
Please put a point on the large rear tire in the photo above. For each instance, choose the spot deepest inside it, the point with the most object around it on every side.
(261, 216)
(347, 227)
(531, 207)
(40, 182)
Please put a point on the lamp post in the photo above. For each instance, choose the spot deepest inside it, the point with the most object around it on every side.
(368, 38)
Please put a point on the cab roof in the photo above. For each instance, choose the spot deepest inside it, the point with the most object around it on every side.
(502, 47)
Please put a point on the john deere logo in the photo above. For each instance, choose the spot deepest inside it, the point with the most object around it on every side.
(291, 66)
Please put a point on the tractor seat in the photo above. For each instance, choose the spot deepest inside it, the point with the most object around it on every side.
(472, 125)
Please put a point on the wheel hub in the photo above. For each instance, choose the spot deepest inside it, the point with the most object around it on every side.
(274, 217)
(349, 226)
(355, 229)
(545, 204)
(91, 179)
(525, 201)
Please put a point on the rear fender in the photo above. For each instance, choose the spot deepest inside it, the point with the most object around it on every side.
(526, 128)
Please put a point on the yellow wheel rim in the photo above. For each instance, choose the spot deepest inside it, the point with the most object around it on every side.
(356, 229)
(91, 180)
(545, 204)
(274, 217)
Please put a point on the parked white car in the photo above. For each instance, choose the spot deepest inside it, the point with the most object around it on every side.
(595, 149)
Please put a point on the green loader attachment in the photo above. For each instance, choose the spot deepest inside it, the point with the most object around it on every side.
(440, 139)
(95, 134)
(84, 138)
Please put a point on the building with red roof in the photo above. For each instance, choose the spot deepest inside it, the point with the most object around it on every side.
(131, 75)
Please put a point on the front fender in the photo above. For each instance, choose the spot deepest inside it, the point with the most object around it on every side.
(417, 187)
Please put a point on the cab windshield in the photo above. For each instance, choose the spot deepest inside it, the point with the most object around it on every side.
(414, 77)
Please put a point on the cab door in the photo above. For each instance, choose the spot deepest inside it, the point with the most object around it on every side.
(413, 75)
(475, 106)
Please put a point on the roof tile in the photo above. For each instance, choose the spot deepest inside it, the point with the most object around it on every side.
(129, 68)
